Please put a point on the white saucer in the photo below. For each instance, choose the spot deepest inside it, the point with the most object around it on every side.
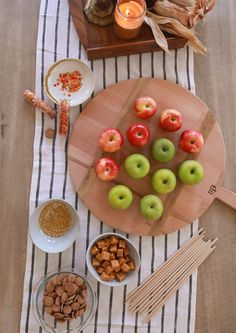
(52, 244)
(69, 65)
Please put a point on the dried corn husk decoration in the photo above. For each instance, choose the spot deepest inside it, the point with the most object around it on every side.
(157, 33)
(178, 17)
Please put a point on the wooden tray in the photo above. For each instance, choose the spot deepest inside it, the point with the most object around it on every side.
(102, 42)
(114, 108)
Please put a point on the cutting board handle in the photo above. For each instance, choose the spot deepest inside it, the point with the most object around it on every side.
(226, 196)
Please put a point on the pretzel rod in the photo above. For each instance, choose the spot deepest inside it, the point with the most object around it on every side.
(168, 262)
(39, 103)
(64, 117)
(168, 275)
(160, 288)
(168, 269)
(178, 284)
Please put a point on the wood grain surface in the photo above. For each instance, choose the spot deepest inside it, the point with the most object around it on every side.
(113, 108)
(102, 42)
(216, 85)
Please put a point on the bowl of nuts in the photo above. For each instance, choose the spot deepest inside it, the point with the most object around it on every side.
(54, 226)
(63, 297)
(112, 259)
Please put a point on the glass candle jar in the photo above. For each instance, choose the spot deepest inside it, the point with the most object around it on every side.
(129, 17)
(99, 11)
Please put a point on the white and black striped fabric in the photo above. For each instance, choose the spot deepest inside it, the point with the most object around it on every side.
(58, 39)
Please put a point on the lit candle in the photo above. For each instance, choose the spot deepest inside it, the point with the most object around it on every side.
(129, 17)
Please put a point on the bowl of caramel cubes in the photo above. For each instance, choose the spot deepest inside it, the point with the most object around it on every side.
(112, 259)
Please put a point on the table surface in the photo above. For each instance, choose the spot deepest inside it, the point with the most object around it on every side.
(215, 84)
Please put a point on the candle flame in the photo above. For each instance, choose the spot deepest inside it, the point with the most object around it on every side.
(127, 12)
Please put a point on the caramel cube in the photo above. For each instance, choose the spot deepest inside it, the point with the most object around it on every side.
(113, 248)
(100, 243)
(126, 251)
(107, 242)
(115, 263)
(120, 276)
(94, 250)
(131, 265)
(114, 240)
(127, 258)
(122, 243)
(109, 270)
(125, 268)
(112, 256)
(111, 277)
(120, 253)
(100, 270)
(105, 255)
(122, 260)
(99, 256)
(105, 248)
(104, 276)
(117, 268)
(105, 263)
(95, 262)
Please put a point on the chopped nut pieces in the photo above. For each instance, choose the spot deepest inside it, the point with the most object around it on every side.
(65, 297)
(110, 258)
(55, 220)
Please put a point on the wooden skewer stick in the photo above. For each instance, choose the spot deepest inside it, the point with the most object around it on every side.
(158, 305)
(161, 288)
(169, 270)
(156, 290)
(171, 266)
(153, 291)
(168, 262)
(153, 309)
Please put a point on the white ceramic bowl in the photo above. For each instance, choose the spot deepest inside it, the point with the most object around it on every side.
(133, 254)
(69, 65)
(52, 244)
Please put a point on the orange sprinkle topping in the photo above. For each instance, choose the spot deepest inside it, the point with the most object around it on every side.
(70, 82)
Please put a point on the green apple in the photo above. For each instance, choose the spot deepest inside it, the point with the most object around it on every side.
(163, 150)
(137, 166)
(120, 197)
(151, 207)
(190, 172)
(163, 181)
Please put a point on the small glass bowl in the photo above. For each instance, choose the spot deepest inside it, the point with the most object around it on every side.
(47, 321)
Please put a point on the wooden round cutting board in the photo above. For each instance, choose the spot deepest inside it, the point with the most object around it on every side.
(113, 107)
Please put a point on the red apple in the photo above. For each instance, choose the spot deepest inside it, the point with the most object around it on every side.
(138, 135)
(171, 120)
(191, 141)
(111, 140)
(106, 169)
(145, 107)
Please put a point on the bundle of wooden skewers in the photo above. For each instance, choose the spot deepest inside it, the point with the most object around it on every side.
(178, 17)
(149, 297)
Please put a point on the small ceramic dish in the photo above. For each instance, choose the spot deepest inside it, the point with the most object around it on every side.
(52, 244)
(134, 255)
(54, 91)
(47, 321)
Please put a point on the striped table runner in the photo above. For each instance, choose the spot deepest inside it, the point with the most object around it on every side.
(57, 39)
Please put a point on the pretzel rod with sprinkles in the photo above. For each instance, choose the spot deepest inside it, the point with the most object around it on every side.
(39, 103)
(64, 117)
